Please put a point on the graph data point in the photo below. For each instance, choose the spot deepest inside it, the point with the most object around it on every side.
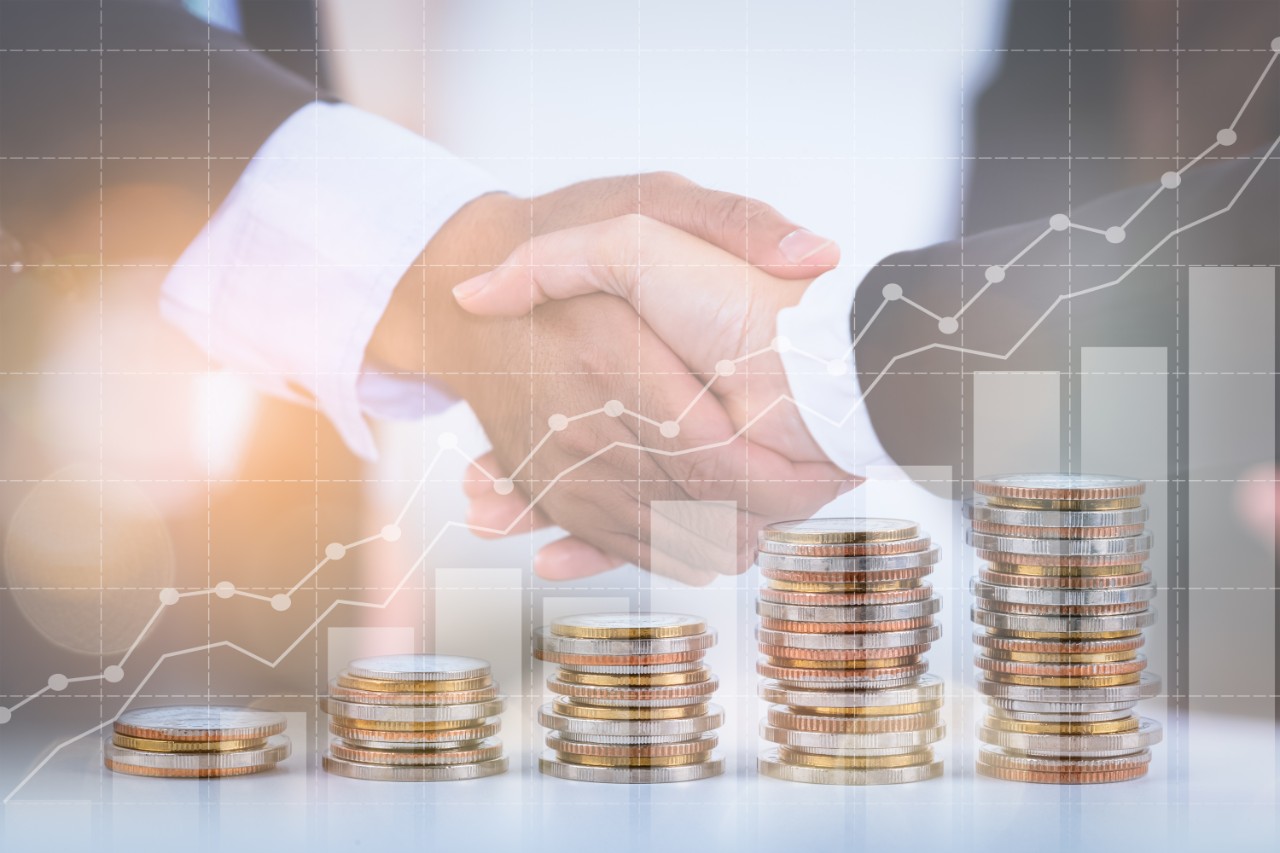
(16, 267)
(1115, 234)
(669, 429)
(1059, 222)
(113, 674)
(503, 486)
(726, 368)
(225, 589)
(335, 550)
(1226, 136)
(781, 343)
(995, 275)
(281, 602)
(1170, 180)
(168, 596)
(837, 367)
(1275, 44)
(557, 422)
(447, 441)
(391, 532)
(5, 716)
(614, 408)
(948, 325)
(58, 682)
(892, 291)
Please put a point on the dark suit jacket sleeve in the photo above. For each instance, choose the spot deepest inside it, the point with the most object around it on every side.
(916, 379)
(139, 100)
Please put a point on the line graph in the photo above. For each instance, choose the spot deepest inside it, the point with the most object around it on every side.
(447, 444)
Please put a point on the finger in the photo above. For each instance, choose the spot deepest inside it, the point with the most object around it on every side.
(491, 513)
(746, 227)
(477, 480)
(570, 559)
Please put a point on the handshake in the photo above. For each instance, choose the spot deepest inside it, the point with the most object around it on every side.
(616, 339)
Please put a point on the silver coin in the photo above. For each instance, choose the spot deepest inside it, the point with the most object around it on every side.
(1063, 698)
(643, 669)
(840, 531)
(337, 690)
(544, 640)
(565, 626)
(199, 723)
(867, 679)
(683, 727)
(393, 773)
(553, 766)
(1033, 711)
(1123, 623)
(1060, 483)
(928, 688)
(1105, 716)
(479, 751)
(616, 740)
(1148, 734)
(769, 764)
(982, 511)
(856, 613)
(844, 740)
(792, 558)
(419, 668)
(1054, 597)
(659, 696)
(688, 746)
(411, 746)
(994, 756)
(606, 702)
(863, 753)
(277, 749)
(411, 713)
(860, 640)
(1059, 547)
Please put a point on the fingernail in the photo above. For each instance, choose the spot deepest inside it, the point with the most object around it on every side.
(471, 287)
(802, 244)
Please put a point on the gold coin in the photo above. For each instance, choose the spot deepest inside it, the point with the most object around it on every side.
(1106, 727)
(876, 710)
(628, 626)
(187, 773)
(633, 760)
(1088, 505)
(386, 726)
(380, 685)
(855, 762)
(877, 586)
(592, 712)
(863, 663)
(146, 744)
(1074, 636)
(1065, 681)
(662, 679)
(1061, 657)
(1065, 571)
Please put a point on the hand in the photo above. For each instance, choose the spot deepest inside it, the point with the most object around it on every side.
(575, 357)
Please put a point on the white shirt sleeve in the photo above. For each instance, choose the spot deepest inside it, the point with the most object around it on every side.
(819, 361)
(288, 280)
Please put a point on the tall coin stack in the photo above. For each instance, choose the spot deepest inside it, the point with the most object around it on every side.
(845, 620)
(197, 741)
(1060, 608)
(414, 718)
(633, 698)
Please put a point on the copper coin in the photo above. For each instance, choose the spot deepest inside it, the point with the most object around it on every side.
(837, 655)
(834, 677)
(885, 576)
(485, 750)
(1139, 578)
(864, 663)
(1073, 487)
(845, 627)
(1065, 561)
(676, 693)
(698, 745)
(846, 599)
(1018, 644)
(395, 697)
(1058, 532)
(836, 586)
(852, 549)
(1138, 664)
(461, 733)
(618, 660)
(1060, 610)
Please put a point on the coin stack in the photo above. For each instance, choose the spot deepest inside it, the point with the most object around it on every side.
(414, 718)
(1060, 608)
(633, 698)
(197, 741)
(845, 619)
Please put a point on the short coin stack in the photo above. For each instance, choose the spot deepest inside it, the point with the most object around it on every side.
(633, 700)
(1060, 608)
(845, 619)
(415, 718)
(197, 741)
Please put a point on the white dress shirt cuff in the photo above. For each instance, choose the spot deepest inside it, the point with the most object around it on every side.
(288, 280)
(819, 360)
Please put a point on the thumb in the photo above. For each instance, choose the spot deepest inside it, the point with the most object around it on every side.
(598, 258)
